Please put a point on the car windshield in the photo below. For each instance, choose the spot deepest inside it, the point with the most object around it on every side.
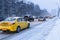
(41, 17)
(9, 19)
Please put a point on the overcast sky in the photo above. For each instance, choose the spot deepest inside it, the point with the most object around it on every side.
(46, 4)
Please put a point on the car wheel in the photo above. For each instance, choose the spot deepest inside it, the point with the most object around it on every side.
(3, 31)
(18, 29)
(28, 25)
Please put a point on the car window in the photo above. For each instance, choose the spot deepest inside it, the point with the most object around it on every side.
(19, 19)
(9, 19)
(23, 19)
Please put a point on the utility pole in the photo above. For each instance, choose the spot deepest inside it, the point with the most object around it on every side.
(58, 10)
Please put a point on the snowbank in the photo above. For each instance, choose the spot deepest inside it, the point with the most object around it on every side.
(55, 33)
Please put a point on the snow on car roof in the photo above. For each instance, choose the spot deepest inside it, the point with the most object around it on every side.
(14, 17)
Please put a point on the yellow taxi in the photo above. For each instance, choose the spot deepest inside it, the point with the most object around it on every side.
(14, 24)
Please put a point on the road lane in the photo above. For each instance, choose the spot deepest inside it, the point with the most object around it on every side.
(4, 35)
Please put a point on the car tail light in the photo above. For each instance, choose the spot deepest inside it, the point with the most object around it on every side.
(12, 23)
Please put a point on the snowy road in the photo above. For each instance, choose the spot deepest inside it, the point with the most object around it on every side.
(37, 31)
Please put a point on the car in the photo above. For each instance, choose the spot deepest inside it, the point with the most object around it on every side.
(29, 18)
(26, 18)
(13, 24)
(41, 19)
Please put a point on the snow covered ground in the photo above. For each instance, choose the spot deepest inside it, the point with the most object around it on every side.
(55, 33)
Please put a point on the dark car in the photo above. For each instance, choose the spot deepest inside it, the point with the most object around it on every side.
(28, 18)
(31, 18)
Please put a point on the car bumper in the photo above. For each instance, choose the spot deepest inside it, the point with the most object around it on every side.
(5, 28)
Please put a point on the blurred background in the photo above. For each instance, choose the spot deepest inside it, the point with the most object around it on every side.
(34, 8)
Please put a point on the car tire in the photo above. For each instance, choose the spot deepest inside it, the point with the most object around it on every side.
(18, 29)
(28, 25)
(4, 31)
